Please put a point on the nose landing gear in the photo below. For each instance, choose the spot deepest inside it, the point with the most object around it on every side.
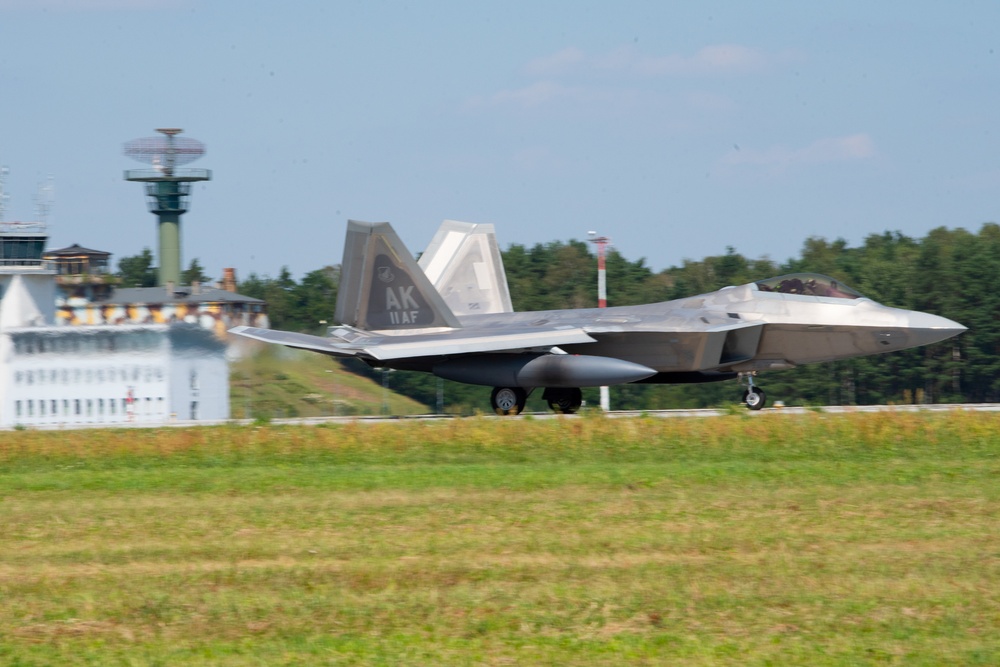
(754, 397)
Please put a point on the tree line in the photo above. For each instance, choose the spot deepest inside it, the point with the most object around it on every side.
(949, 272)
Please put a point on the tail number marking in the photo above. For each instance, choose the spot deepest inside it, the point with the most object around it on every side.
(402, 307)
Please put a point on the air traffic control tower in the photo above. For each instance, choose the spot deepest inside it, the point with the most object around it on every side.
(168, 189)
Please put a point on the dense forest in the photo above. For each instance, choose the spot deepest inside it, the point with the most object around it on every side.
(950, 272)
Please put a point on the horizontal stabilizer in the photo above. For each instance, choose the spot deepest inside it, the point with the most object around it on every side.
(299, 340)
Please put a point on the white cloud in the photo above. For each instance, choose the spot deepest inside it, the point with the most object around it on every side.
(90, 5)
(717, 59)
(609, 79)
(821, 151)
(538, 158)
(713, 59)
(558, 63)
(544, 93)
(536, 94)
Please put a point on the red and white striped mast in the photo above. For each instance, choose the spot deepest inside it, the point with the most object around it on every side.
(602, 243)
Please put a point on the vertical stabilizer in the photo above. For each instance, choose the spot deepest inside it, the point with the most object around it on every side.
(381, 286)
(463, 263)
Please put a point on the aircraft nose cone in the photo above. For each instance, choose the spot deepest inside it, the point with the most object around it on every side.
(926, 328)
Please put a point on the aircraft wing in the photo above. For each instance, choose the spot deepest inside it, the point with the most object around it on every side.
(350, 342)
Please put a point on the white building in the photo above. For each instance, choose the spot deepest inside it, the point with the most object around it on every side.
(112, 375)
(104, 374)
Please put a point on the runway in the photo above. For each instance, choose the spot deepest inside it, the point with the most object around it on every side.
(614, 414)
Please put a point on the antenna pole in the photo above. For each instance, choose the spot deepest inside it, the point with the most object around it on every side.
(3, 196)
(45, 198)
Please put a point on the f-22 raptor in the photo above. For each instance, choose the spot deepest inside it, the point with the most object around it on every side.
(451, 315)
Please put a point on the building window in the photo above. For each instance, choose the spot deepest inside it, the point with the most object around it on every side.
(17, 408)
(194, 379)
(194, 410)
(77, 405)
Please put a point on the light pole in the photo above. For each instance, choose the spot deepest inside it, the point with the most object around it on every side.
(602, 296)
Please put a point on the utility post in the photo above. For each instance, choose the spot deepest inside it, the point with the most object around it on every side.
(602, 243)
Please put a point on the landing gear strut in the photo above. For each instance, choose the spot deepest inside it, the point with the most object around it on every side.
(754, 397)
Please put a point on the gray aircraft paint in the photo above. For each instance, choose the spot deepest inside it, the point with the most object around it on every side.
(771, 324)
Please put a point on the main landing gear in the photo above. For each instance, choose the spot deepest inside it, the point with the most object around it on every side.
(564, 400)
(507, 401)
(754, 397)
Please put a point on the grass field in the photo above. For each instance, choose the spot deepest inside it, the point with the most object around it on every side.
(865, 539)
(271, 381)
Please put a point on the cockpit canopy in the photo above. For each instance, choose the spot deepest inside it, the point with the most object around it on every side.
(808, 284)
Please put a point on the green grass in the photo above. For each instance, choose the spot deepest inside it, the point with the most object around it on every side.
(275, 382)
(741, 540)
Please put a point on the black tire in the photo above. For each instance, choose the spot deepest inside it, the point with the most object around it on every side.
(507, 401)
(756, 399)
(564, 401)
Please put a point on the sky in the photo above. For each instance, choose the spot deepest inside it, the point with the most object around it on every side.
(678, 129)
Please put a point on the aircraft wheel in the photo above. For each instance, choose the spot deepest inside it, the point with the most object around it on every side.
(508, 400)
(754, 398)
(564, 401)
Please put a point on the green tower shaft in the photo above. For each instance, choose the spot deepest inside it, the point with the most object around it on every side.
(168, 201)
(169, 271)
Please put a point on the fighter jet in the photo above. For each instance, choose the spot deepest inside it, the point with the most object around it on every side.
(451, 315)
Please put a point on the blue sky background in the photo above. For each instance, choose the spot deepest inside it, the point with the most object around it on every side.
(676, 128)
